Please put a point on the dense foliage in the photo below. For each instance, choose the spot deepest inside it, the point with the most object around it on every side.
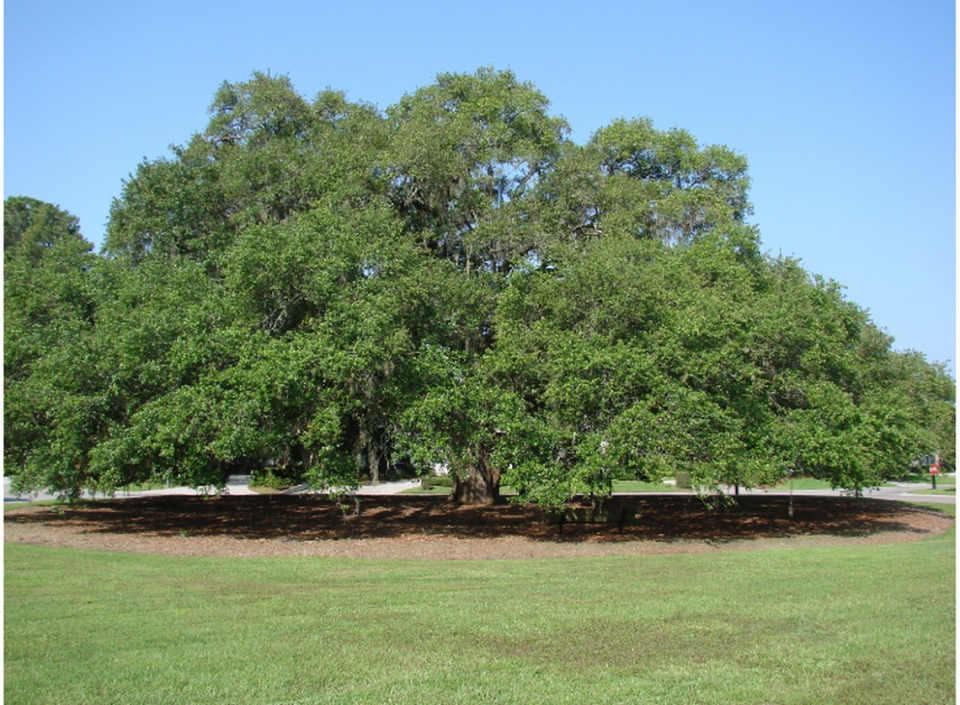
(343, 293)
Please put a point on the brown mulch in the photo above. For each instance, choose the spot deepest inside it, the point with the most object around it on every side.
(430, 527)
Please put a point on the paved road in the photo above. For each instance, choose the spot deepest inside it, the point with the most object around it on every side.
(232, 488)
(899, 491)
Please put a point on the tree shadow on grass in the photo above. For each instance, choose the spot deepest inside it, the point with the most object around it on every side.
(661, 518)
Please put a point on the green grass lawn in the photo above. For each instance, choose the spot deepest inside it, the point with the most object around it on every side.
(641, 486)
(799, 483)
(802, 483)
(869, 624)
(946, 485)
(948, 490)
(8, 506)
(924, 480)
(434, 489)
(618, 486)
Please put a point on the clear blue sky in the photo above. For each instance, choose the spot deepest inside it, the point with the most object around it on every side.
(845, 109)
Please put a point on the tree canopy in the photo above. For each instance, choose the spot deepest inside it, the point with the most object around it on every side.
(340, 294)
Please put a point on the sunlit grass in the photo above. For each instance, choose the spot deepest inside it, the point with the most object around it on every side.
(618, 487)
(949, 490)
(926, 480)
(642, 486)
(869, 624)
(802, 483)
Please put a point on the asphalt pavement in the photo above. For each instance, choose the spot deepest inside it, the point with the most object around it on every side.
(232, 488)
(899, 491)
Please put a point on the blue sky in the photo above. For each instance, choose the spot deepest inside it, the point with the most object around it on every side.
(845, 109)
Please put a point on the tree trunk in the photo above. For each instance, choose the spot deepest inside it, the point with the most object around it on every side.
(480, 484)
(373, 460)
(365, 453)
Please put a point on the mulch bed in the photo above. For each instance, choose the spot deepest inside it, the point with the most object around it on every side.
(430, 527)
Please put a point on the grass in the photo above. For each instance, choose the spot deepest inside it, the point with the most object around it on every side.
(926, 481)
(946, 485)
(433, 489)
(949, 490)
(941, 480)
(802, 483)
(618, 486)
(641, 486)
(7, 506)
(868, 624)
(799, 483)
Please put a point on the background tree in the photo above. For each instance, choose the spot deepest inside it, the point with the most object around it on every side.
(54, 400)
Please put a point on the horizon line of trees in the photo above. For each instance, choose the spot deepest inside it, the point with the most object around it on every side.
(352, 293)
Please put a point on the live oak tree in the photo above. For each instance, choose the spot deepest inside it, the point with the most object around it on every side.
(466, 154)
(347, 293)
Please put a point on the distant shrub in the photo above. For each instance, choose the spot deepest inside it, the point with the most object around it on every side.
(436, 481)
(266, 478)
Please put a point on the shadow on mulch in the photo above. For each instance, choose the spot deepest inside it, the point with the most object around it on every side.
(662, 518)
